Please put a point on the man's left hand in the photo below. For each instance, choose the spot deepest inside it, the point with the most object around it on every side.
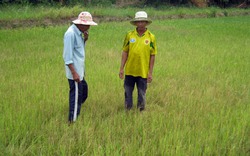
(150, 78)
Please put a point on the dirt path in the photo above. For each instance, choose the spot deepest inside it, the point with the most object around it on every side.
(11, 24)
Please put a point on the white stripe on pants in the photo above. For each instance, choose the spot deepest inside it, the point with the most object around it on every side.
(76, 101)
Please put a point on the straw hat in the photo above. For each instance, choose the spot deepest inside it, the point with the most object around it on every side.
(84, 18)
(141, 16)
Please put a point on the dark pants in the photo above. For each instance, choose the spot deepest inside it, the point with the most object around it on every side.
(129, 84)
(82, 96)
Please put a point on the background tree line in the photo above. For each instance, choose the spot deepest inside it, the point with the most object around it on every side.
(123, 3)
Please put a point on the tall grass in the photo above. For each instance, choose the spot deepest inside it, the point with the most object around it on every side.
(197, 104)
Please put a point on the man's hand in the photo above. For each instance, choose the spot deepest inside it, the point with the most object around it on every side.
(121, 74)
(86, 35)
(150, 78)
(76, 77)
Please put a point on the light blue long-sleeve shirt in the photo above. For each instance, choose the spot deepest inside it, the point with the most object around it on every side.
(74, 52)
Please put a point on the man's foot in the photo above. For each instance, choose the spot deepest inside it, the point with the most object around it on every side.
(70, 123)
(127, 109)
(141, 109)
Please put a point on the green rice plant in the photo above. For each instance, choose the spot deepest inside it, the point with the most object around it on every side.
(197, 104)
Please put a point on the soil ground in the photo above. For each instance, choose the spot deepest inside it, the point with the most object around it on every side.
(10, 24)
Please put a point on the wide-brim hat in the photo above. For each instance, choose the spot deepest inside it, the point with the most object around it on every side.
(141, 16)
(84, 18)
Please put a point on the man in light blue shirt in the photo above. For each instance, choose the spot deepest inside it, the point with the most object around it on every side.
(74, 57)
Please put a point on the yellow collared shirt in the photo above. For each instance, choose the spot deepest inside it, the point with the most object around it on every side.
(139, 49)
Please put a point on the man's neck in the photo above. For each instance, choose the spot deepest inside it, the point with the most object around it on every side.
(141, 31)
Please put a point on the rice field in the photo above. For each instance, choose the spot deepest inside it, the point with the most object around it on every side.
(197, 104)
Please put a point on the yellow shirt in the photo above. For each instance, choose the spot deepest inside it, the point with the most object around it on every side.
(139, 49)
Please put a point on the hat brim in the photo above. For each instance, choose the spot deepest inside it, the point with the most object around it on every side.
(137, 20)
(77, 21)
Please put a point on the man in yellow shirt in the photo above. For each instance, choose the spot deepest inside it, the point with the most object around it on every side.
(138, 56)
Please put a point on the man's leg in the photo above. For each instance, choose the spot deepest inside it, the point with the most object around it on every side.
(83, 94)
(141, 84)
(129, 84)
(72, 97)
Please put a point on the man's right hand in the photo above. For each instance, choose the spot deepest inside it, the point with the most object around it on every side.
(76, 77)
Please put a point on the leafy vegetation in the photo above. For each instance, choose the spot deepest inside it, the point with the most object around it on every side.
(124, 3)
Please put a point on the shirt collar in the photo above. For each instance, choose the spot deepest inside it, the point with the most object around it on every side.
(142, 34)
